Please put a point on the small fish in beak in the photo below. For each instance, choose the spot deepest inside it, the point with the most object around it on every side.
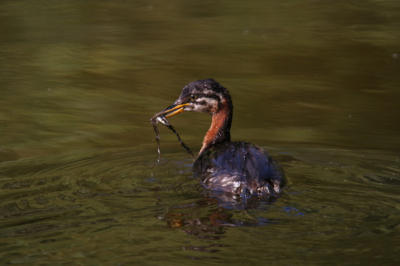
(160, 118)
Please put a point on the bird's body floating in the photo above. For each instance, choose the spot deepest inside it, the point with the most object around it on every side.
(235, 167)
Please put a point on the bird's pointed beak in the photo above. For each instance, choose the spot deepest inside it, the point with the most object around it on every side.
(171, 110)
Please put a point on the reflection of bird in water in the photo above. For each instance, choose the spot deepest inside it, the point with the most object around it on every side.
(236, 167)
(206, 219)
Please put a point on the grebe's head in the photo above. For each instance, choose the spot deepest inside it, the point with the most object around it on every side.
(205, 96)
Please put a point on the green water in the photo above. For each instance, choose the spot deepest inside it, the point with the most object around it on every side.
(316, 83)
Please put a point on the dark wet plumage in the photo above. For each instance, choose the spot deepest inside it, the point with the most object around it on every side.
(239, 167)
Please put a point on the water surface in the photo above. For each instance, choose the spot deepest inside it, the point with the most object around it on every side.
(313, 82)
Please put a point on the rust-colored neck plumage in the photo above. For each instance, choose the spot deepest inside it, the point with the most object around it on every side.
(220, 125)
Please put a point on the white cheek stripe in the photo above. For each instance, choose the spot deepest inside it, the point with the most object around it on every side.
(210, 102)
(209, 105)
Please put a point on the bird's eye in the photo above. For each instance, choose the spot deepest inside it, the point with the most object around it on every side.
(194, 97)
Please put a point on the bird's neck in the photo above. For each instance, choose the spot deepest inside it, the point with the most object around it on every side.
(220, 130)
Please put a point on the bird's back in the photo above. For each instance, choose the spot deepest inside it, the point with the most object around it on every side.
(239, 167)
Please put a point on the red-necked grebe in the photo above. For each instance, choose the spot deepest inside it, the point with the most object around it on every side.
(236, 167)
